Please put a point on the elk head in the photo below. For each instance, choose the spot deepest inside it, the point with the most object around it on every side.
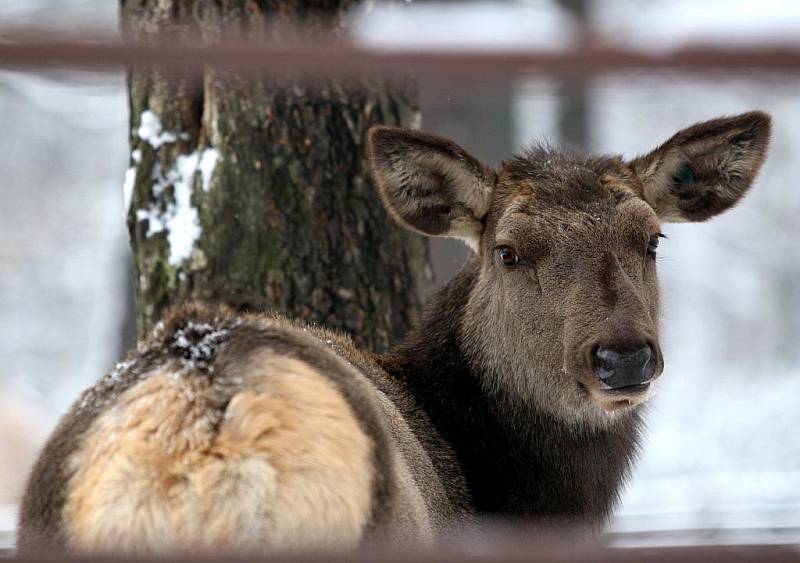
(564, 311)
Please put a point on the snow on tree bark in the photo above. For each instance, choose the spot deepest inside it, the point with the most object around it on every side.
(255, 192)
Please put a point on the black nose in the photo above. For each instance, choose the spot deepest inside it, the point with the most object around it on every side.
(619, 367)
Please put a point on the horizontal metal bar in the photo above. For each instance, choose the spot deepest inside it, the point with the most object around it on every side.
(345, 59)
(520, 552)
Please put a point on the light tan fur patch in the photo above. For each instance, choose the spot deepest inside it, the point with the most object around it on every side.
(287, 466)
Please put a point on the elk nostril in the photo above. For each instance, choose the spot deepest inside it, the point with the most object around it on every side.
(649, 368)
(647, 363)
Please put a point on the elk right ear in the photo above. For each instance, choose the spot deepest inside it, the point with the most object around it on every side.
(430, 184)
(704, 169)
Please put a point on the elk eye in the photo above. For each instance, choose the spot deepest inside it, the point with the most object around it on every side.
(652, 246)
(508, 256)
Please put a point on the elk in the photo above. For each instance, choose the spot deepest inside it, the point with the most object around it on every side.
(519, 394)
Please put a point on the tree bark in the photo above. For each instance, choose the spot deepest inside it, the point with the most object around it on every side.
(255, 192)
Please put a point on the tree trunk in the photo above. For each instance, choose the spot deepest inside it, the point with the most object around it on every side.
(255, 192)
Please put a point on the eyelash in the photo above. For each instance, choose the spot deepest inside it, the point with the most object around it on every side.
(652, 246)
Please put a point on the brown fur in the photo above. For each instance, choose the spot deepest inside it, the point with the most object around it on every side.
(445, 193)
(570, 217)
(268, 439)
(256, 432)
(286, 465)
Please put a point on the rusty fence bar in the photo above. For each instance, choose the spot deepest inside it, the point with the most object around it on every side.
(517, 552)
(347, 58)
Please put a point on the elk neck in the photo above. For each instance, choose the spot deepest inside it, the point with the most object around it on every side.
(518, 461)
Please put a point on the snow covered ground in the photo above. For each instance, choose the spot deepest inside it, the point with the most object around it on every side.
(64, 252)
(63, 257)
(722, 453)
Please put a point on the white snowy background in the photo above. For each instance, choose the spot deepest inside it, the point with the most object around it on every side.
(721, 461)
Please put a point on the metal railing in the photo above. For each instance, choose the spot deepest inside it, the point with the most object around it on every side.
(27, 49)
(528, 550)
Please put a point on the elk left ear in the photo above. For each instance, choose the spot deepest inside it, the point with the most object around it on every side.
(704, 169)
(430, 184)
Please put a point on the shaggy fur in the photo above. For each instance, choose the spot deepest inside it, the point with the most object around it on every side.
(240, 432)
(227, 431)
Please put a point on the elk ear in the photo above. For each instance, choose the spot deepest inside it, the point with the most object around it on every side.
(704, 169)
(430, 184)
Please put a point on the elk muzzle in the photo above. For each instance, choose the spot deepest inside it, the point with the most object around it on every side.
(628, 369)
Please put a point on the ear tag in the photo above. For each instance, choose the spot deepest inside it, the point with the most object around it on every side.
(685, 177)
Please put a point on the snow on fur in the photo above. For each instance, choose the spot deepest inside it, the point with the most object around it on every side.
(197, 343)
